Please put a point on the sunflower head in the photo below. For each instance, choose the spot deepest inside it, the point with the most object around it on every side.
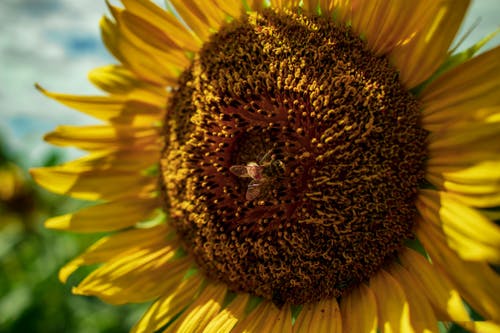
(292, 159)
(258, 158)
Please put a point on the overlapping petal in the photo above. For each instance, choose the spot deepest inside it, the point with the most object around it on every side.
(473, 236)
(422, 55)
(359, 311)
(138, 276)
(441, 293)
(164, 309)
(115, 245)
(467, 94)
(266, 317)
(476, 281)
(321, 317)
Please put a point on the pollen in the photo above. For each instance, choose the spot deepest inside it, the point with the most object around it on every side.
(334, 138)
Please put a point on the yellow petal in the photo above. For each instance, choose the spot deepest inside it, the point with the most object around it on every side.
(107, 217)
(389, 23)
(422, 316)
(153, 40)
(418, 59)
(112, 246)
(476, 281)
(206, 306)
(320, 317)
(167, 307)
(473, 236)
(359, 311)
(148, 32)
(255, 5)
(116, 79)
(142, 63)
(195, 18)
(266, 317)
(111, 108)
(105, 137)
(281, 4)
(311, 6)
(166, 21)
(440, 292)
(392, 305)
(89, 185)
(121, 160)
(464, 137)
(483, 149)
(471, 115)
(481, 326)
(342, 10)
(482, 173)
(166, 64)
(229, 316)
(463, 92)
(460, 188)
(135, 277)
(231, 8)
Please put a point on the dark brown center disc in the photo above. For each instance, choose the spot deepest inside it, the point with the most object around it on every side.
(293, 158)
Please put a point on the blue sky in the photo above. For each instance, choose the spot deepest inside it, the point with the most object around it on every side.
(56, 42)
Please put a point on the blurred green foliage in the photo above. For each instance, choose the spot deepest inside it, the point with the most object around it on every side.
(32, 299)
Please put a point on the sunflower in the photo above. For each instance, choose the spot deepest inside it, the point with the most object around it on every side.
(289, 166)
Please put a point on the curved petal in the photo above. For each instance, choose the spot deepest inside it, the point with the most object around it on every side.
(202, 17)
(440, 292)
(320, 317)
(229, 316)
(387, 24)
(133, 277)
(116, 79)
(255, 5)
(206, 306)
(422, 316)
(284, 3)
(105, 137)
(167, 307)
(232, 8)
(473, 236)
(87, 185)
(110, 216)
(118, 109)
(473, 143)
(120, 160)
(359, 311)
(342, 10)
(393, 307)
(266, 317)
(419, 58)
(142, 63)
(476, 281)
(166, 21)
(115, 245)
(311, 6)
(481, 326)
(466, 93)
(154, 40)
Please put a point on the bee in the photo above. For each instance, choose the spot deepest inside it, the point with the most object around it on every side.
(261, 174)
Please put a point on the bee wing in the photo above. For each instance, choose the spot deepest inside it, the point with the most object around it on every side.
(253, 190)
(239, 170)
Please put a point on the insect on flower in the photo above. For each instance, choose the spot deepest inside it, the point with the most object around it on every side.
(261, 173)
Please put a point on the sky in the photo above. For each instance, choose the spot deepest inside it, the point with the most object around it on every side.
(57, 42)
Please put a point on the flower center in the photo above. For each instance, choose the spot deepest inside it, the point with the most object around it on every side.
(293, 158)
